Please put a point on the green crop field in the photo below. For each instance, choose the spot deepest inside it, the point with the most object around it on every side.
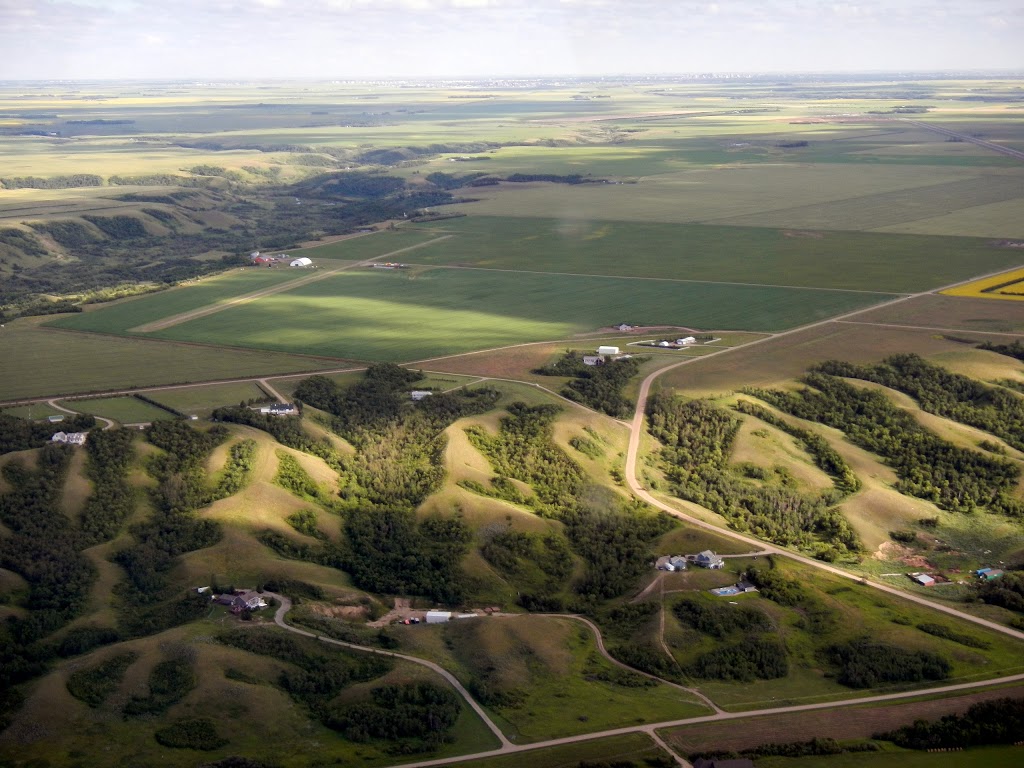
(42, 361)
(368, 246)
(127, 410)
(377, 315)
(123, 315)
(850, 260)
(202, 400)
(634, 746)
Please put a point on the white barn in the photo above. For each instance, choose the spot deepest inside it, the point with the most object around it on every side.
(302, 261)
(607, 350)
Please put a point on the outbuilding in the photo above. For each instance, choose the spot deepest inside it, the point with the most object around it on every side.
(302, 261)
(607, 350)
(924, 579)
(438, 617)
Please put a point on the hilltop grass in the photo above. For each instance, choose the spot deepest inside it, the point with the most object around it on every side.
(817, 259)
(375, 315)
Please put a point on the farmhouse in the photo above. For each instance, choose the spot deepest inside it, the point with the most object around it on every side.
(624, 327)
(607, 350)
(708, 559)
(280, 409)
(69, 438)
(302, 261)
(671, 563)
(685, 341)
(420, 394)
(241, 601)
(593, 359)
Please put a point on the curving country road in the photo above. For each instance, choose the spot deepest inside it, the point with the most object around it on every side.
(650, 729)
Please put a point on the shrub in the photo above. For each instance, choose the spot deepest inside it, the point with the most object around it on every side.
(198, 733)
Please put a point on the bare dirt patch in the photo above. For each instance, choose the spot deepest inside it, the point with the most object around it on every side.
(893, 552)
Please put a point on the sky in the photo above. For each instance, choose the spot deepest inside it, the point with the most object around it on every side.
(378, 39)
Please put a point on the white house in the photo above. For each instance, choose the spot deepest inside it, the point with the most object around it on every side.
(302, 261)
(70, 438)
(438, 617)
(708, 559)
(607, 350)
(593, 359)
(685, 341)
(419, 394)
(280, 409)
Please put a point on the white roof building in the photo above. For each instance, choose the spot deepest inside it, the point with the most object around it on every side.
(419, 394)
(302, 261)
(438, 617)
(607, 350)
(70, 438)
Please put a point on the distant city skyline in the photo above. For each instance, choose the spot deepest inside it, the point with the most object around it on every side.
(387, 39)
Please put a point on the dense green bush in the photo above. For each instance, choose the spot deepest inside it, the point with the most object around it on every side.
(421, 711)
(941, 630)
(169, 682)
(720, 620)
(998, 721)
(193, 733)
(757, 657)
(95, 684)
(866, 664)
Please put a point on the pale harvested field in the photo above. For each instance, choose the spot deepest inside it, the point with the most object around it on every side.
(783, 359)
(841, 723)
(1002, 219)
(953, 312)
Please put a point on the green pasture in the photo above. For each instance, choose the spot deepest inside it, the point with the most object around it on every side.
(844, 260)
(204, 399)
(34, 411)
(127, 409)
(128, 313)
(41, 361)
(380, 315)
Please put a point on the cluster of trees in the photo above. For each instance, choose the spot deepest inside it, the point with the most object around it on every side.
(998, 721)
(941, 630)
(536, 563)
(118, 227)
(825, 456)
(44, 548)
(697, 440)
(113, 500)
(21, 434)
(944, 393)
(69, 181)
(422, 712)
(313, 678)
(613, 536)
(22, 241)
(398, 444)
(171, 531)
(1006, 591)
(524, 450)
(94, 684)
(816, 617)
(237, 470)
(866, 664)
(1014, 349)
(755, 657)
(169, 682)
(929, 467)
(191, 733)
(596, 386)
(719, 620)
(816, 747)
(296, 480)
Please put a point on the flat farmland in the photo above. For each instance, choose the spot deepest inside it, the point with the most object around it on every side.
(785, 358)
(775, 192)
(378, 315)
(40, 361)
(127, 410)
(818, 259)
(202, 400)
(953, 312)
(368, 246)
(120, 316)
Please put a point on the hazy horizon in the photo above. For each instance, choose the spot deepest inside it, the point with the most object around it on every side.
(469, 39)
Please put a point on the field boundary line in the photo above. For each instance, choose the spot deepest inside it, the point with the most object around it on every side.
(661, 279)
(195, 314)
(930, 328)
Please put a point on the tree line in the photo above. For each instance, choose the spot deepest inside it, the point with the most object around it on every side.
(596, 386)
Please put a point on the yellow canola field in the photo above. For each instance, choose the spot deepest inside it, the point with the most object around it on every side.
(1008, 286)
